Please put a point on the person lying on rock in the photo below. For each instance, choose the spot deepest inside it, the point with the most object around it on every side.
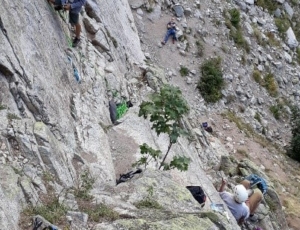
(241, 204)
(171, 31)
(74, 7)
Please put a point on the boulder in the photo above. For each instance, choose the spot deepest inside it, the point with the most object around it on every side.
(291, 39)
(179, 11)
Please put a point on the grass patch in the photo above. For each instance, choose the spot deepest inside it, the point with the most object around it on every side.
(47, 177)
(2, 107)
(271, 85)
(257, 117)
(257, 76)
(12, 116)
(52, 211)
(184, 71)
(269, 5)
(200, 48)
(298, 55)
(242, 152)
(232, 22)
(296, 25)
(85, 185)
(282, 25)
(292, 205)
(278, 110)
(268, 82)
(211, 81)
(100, 212)
(258, 36)
(270, 203)
(148, 203)
(272, 40)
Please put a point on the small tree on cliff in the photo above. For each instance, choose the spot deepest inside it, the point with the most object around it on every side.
(294, 148)
(165, 110)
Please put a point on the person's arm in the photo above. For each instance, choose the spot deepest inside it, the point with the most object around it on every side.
(222, 188)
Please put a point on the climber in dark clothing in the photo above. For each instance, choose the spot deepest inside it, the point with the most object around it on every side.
(74, 7)
(171, 31)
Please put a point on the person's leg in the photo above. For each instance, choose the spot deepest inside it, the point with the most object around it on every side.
(74, 20)
(168, 34)
(77, 30)
(246, 184)
(254, 200)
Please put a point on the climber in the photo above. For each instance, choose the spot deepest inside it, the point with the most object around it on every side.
(74, 7)
(241, 205)
(171, 30)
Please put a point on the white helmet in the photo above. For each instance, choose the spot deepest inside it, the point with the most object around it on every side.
(240, 193)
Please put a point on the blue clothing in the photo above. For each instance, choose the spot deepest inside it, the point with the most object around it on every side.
(169, 33)
(258, 181)
(238, 210)
(76, 5)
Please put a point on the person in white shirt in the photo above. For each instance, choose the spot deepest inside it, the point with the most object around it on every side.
(238, 203)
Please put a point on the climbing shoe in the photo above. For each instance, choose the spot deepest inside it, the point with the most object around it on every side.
(76, 41)
(253, 218)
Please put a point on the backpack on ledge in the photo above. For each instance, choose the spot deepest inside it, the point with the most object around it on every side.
(198, 194)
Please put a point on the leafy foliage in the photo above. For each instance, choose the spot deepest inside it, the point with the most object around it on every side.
(211, 82)
(148, 154)
(179, 162)
(294, 148)
(85, 186)
(235, 17)
(184, 71)
(166, 108)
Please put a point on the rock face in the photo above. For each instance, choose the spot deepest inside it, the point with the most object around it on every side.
(53, 129)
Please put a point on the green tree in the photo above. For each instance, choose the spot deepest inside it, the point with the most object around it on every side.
(294, 148)
(166, 108)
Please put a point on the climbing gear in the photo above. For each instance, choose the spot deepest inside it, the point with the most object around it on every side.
(240, 193)
(198, 194)
(128, 176)
(76, 42)
(38, 224)
(253, 218)
(258, 181)
(76, 73)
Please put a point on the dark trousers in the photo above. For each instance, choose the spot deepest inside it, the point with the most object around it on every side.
(170, 32)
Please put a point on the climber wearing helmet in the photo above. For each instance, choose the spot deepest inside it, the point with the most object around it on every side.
(241, 206)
